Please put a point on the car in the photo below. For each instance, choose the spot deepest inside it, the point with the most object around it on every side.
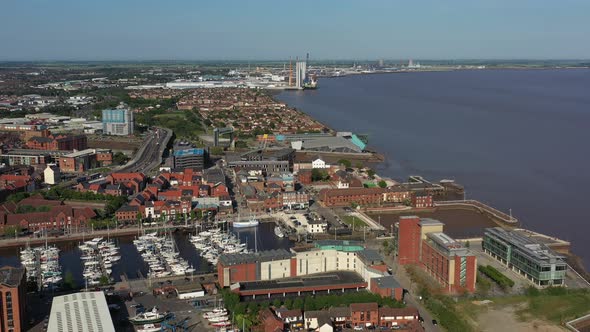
(434, 322)
(358, 328)
(395, 327)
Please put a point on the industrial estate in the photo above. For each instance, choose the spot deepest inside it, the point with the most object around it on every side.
(188, 198)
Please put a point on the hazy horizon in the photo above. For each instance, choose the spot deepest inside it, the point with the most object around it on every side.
(134, 30)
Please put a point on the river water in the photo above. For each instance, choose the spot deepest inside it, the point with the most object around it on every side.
(516, 139)
(131, 263)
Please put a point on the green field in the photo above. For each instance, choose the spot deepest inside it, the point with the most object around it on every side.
(352, 220)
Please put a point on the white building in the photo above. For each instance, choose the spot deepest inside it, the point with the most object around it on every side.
(319, 163)
(118, 121)
(300, 73)
(80, 312)
(316, 226)
(52, 174)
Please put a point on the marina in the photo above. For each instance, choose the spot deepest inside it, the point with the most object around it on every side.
(42, 265)
(261, 237)
(98, 257)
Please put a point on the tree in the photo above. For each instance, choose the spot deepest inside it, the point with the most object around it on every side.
(12, 231)
(298, 303)
(319, 175)
(120, 158)
(276, 303)
(139, 217)
(371, 173)
(345, 162)
(359, 165)
(289, 303)
(382, 184)
(104, 280)
(69, 281)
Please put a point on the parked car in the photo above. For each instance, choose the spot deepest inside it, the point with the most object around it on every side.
(434, 322)
(358, 328)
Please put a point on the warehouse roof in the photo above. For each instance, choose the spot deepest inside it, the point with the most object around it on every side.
(80, 312)
(261, 256)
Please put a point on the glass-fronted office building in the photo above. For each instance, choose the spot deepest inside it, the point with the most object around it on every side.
(534, 260)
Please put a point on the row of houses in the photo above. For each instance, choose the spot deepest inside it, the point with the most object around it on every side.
(171, 195)
(365, 315)
(55, 215)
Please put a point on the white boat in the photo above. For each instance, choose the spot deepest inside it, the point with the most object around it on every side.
(244, 224)
(279, 232)
(150, 328)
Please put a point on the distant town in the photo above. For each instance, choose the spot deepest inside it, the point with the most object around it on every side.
(186, 197)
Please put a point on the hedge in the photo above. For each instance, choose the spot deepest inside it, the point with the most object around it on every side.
(497, 276)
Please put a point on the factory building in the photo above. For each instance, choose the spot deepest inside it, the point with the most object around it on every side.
(84, 311)
(329, 266)
(421, 241)
(532, 259)
(118, 121)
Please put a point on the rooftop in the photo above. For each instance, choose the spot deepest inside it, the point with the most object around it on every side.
(189, 152)
(332, 279)
(80, 312)
(527, 245)
(261, 256)
(386, 282)
(447, 244)
(430, 222)
(11, 276)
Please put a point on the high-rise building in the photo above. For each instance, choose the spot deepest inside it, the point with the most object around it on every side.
(12, 299)
(300, 73)
(117, 121)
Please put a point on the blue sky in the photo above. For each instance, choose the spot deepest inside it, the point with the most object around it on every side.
(223, 29)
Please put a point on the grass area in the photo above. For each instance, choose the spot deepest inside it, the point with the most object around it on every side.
(354, 221)
(557, 305)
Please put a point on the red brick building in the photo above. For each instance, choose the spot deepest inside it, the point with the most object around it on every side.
(58, 218)
(390, 317)
(364, 314)
(58, 142)
(127, 214)
(13, 295)
(421, 241)
(269, 322)
(360, 196)
(387, 286)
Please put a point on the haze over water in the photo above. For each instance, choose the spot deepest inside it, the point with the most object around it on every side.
(516, 139)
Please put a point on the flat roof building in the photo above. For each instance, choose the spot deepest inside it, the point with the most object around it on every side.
(189, 158)
(525, 255)
(80, 312)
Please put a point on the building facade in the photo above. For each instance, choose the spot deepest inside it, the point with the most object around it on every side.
(12, 299)
(189, 158)
(118, 121)
(420, 241)
(539, 264)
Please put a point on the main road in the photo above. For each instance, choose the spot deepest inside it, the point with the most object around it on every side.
(149, 155)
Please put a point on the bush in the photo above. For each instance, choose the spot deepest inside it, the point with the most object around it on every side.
(497, 276)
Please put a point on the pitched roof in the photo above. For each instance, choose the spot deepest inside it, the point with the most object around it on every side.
(364, 306)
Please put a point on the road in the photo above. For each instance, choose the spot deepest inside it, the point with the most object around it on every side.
(404, 280)
(149, 155)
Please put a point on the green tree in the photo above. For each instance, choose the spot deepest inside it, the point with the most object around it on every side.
(319, 175)
(12, 231)
(371, 173)
(104, 280)
(69, 281)
(298, 303)
(289, 303)
(276, 303)
(382, 184)
(345, 162)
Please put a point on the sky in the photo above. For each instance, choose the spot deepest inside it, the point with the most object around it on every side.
(277, 29)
